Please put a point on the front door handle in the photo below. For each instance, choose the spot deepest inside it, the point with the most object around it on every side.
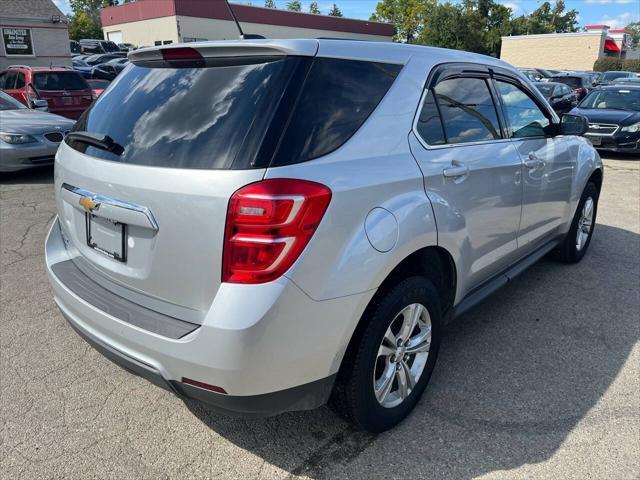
(533, 162)
(457, 169)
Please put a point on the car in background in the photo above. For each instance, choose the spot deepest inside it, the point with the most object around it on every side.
(580, 83)
(627, 81)
(93, 60)
(82, 67)
(126, 47)
(90, 45)
(98, 86)
(536, 74)
(67, 93)
(28, 138)
(613, 113)
(109, 70)
(74, 47)
(560, 96)
(614, 75)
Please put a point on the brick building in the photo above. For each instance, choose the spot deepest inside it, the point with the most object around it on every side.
(34, 33)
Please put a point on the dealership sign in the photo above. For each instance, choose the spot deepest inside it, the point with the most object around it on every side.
(17, 41)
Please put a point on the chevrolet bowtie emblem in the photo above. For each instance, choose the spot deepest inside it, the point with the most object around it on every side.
(89, 204)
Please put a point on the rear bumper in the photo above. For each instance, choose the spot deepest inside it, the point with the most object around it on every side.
(270, 347)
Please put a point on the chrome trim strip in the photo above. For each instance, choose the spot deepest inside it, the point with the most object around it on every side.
(114, 203)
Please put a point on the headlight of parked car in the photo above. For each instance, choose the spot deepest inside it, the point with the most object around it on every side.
(631, 128)
(16, 138)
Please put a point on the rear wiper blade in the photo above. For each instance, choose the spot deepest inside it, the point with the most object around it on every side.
(104, 142)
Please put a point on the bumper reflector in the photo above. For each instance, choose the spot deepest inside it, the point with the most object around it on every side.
(206, 386)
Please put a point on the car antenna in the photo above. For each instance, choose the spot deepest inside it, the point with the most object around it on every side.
(243, 36)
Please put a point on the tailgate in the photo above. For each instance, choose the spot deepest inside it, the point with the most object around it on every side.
(173, 245)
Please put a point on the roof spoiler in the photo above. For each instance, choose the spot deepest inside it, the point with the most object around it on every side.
(225, 50)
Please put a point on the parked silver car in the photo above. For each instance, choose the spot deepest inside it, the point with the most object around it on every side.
(270, 225)
(28, 138)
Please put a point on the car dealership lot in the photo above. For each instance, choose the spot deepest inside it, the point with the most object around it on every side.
(539, 381)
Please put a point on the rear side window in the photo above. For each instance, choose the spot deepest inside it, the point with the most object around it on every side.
(429, 122)
(467, 109)
(59, 81)
(337, 97)
(526, 118)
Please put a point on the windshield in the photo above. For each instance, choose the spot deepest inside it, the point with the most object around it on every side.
(59, 81)
(608, 76)
(9, 103)
(545, 89)
(612, 99)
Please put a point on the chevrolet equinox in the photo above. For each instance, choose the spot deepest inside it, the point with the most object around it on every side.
(271, 225)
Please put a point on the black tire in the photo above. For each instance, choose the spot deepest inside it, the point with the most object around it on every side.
(353, 397)
(568, 251)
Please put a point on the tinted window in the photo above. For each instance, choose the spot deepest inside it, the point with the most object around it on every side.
(563, 90)
(215, 117)
(3, 78)
(59, 81)
(10, 80)
(526, 118)
(573, 82)
(336, 99)
(20, 81)
(608, 76)
(546, 89)
(467, 110)
(429, 122)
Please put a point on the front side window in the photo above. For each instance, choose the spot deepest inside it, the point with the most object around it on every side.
(467, 109)
(526, 118)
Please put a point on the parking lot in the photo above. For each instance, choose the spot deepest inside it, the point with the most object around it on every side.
(542, 380)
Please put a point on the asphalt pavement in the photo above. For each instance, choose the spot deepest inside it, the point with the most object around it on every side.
(542, 380)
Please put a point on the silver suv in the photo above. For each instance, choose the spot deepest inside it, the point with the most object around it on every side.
(266, 226)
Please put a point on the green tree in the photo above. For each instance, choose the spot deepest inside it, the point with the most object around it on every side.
(634, 31)
(546, 19)
(84, 22)
(335, 11)
(407, 16)
(313, 8)
(294, 6)
(270, 4)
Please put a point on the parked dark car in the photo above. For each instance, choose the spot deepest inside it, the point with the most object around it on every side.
(108, 70)
(82, 67)
(613, 75)
(74, 47)
(126, 47)
(93, 60)
(536, 74)
(580, 83)
(560, 96)
(627, 81)
(89, 45)
(65, 91)
(614, 117)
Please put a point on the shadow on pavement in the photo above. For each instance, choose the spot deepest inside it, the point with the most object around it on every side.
(32, 176)
(513, 379)
(620, 156)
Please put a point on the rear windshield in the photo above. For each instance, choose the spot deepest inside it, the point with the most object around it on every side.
(608, 76)
(235, 117)
(546, 90)
(573, 82)
(59, 81)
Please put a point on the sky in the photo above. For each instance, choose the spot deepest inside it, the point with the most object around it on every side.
(615, 13)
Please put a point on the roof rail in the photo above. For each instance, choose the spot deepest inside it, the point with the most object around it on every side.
(20, 66)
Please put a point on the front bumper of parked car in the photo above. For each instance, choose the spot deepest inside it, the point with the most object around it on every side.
(29, 155)
(618, 142)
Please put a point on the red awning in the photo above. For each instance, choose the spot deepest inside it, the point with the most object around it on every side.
(611, 46)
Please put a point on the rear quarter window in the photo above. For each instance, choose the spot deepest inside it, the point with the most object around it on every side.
(59, 81)
(337, 97)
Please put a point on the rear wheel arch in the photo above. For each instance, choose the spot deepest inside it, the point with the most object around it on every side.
(434, 263)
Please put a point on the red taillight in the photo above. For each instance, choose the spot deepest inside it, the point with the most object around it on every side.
(182, 57)
(268, 225)
(578, 90)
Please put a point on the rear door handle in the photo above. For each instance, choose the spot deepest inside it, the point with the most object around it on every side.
(456, 169)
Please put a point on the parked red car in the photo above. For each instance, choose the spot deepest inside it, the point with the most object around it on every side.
(98, 86)
(66, 92)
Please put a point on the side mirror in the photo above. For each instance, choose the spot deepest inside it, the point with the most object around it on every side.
(573, 125)
(40, 104)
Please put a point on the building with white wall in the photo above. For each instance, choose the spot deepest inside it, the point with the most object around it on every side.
(34, 33)
(157, 22)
